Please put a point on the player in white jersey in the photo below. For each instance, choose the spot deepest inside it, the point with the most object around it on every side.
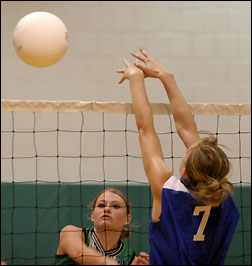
(193, 216)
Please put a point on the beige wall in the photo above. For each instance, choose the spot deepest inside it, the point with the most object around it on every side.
(206, 44)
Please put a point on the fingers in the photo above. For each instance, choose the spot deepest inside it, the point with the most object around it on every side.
(143, 254)
(138, 57)
(127, 64)
(129, 69)
(122, 80)
(144, 52)
(135, 261)
(143, 59)
(121, 71)
(143, 261)
(143, 258)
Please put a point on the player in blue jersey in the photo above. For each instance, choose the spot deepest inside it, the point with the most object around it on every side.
(193, 216)
(103, 244)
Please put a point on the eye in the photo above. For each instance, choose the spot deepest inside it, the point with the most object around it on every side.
(116, 206)
(101, 205)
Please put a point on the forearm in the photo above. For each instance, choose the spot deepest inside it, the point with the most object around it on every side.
(181, 112)
(90, 256)
(84, 255)
(141, 104)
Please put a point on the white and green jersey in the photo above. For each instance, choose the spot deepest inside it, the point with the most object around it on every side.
(122, 253)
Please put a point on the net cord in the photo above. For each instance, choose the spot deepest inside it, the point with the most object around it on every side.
(119, 107)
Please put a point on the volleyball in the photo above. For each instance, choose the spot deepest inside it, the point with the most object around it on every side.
(40, 39)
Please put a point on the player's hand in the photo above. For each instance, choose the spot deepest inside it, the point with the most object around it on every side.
(152, 67)
(110, 261)
(142, 259)
(129, 71)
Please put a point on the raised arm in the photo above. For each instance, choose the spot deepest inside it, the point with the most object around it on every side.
(153, 160)
(184, 121)
(72, 243)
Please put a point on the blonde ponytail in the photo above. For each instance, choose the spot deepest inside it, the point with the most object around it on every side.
(207, 167)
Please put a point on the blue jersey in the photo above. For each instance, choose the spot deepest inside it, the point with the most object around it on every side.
(188, 232)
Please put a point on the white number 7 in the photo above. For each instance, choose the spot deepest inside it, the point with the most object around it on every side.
(199, 236)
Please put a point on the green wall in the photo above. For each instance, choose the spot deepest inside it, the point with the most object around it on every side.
(30, 230)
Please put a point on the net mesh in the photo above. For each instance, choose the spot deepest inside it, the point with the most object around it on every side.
(56, 156)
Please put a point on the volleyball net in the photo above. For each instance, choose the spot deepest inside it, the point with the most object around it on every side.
(57, 156)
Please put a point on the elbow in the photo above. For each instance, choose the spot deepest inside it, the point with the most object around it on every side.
(142, 130)
(140, 127)
(144, 120)
(144, 126)
(140, 122)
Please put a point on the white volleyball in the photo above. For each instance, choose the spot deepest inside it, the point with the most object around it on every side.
(40, 39)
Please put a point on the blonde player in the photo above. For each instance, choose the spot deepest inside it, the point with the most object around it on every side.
(103, 244)
(193, 217)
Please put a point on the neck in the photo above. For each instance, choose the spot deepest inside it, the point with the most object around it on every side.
(108, 239)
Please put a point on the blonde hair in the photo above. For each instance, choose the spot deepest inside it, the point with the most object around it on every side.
(207, 167)
(125, 231)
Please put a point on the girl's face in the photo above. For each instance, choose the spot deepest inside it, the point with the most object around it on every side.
(110, 212)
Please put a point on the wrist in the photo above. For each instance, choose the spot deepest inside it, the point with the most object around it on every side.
(166, 78)
(165, 75)
(136, 75)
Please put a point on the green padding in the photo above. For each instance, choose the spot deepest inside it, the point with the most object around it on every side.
(30, 230)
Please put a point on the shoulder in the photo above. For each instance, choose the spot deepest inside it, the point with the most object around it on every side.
(175, 183)
(68, 235)
(71, 228)
(70, 231)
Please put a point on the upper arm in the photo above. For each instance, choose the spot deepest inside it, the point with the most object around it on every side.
(188, 136)
(72, 243)
(155, 168)
(71, 239)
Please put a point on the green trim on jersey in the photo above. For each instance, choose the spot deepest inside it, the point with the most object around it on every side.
(122, 253)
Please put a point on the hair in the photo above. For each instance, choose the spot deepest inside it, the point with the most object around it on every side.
(125, 231)
(207, 167)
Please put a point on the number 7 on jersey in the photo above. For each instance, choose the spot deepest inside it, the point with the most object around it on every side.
(206, 209)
